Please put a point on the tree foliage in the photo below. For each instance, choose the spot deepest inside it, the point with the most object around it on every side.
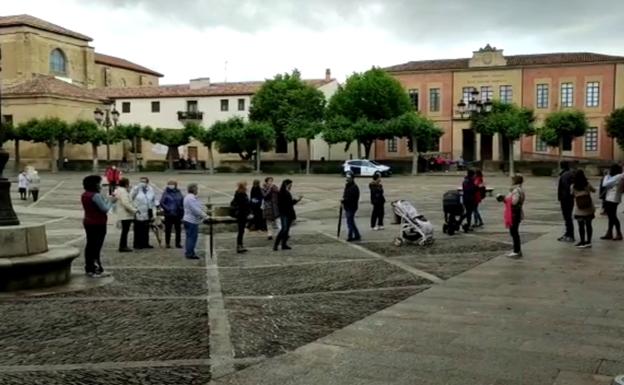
(239, 137)
(614, 124)
(506, 119)
(86, 131)
(46, 130)
(368, 101)
(413, 125)
(563, 124)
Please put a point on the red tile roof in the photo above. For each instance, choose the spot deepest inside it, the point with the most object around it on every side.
(49, 86)
(122, 63)
(512, 61)
(184, 90)
(34, 22)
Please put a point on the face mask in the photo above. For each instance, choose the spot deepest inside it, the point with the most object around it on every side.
(171, 186)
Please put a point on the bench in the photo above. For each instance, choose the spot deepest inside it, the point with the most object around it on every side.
(489, 191)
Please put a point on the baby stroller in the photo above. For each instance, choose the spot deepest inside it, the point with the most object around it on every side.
(414, 226)
(453, 211)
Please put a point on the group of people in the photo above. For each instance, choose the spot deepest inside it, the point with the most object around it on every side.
(28, 182)
(574, 195)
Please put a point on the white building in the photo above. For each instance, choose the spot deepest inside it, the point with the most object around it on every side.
(170, 106)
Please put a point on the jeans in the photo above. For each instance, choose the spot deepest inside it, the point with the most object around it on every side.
(242, 222)
(192, 232)
(95, 241)
(567, 206)
(283, 235)
(125, 229)
(514, 231)
(585, 227)
(468, 214)
(477, 216)
(141, 234)
(611, 211)
(353, 232)
(170, 224)
(378, 215)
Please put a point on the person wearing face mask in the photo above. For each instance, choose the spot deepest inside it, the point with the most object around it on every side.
(125, 212)
(96, 209)
(193, 215)
(172, 204)
(144, 199)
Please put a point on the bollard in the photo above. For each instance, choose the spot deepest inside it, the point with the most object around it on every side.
(619, 380)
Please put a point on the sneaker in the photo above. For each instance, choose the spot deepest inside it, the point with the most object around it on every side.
(126, 250)
(192, 257)
(286, 247)
(607, 237)
(618, 238)
(566, 239)
(375, 228)
(103, 274)
(580, 245)
(241, 250)
(514, 255)
(587, 246)
(380, 227)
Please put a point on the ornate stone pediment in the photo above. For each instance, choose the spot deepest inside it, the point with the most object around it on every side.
(487, 56)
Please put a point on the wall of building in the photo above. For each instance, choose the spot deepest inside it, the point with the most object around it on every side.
(108, 76)
(27, 52)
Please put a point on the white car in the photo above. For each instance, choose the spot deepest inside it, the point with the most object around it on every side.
(365, 167)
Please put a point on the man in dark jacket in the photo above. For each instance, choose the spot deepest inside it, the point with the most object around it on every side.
(566, 200)
(172, 204)
(469, 191)
(350, 200)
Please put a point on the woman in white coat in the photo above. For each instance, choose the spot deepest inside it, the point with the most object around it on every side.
(125, 212)
(144, 199)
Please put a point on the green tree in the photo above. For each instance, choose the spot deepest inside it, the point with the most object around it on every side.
(368, 101)
(509, 121)
(243, 138)
(421, 131)
(614, 124)
(63, 137)
(291, 106)
(86, 131)
(563, 125)
(132, 133)
(170, 137)
(45, 131)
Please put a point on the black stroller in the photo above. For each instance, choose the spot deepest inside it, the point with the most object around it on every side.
(453, 211)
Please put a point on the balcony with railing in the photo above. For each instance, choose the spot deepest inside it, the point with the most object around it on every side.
(190, 115)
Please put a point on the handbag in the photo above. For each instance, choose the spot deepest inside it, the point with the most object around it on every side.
(583, 201)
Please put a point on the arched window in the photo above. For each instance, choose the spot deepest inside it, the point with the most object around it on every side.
(58, 63)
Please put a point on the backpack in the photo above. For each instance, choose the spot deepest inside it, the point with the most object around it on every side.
(583, 201)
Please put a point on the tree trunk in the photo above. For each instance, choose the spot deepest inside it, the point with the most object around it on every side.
(134, 152)
(367, 148)
(17, 155)
(512, 170)
(61, 154)
(170, 158)
(258, 155)
(53, 160)
(308, 145)
(329, 151)
(210, 160)
(296, 150)
(94, 155)
(414, 156)
(359, 149)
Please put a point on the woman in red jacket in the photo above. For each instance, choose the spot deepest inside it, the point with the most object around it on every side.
(113, 176)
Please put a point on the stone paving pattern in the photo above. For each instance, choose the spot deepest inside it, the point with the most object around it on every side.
(315, 315)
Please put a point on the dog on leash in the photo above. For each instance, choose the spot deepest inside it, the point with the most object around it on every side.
(157, 226)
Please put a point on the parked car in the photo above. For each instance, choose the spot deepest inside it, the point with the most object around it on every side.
(365, 168)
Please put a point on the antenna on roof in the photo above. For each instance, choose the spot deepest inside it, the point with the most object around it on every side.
(225, 71)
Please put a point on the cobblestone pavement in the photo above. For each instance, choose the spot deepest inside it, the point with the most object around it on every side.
(165, 320)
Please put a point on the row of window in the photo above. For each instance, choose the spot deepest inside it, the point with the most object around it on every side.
(191, 106)
(434, 99)
(393, 145)
(592, 95)
(591, 142)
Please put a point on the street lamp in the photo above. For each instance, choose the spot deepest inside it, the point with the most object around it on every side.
(107, 118)
(474, 105)
(7, 214)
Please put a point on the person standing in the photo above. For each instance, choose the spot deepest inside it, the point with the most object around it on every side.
(479, 196)
(125, 212)
(350, 202)
(584, 209)
(614, 186)
(468, 198)
(286, 207)
(270, 193)
(193, 215)
(258, 223)
(96, 209)
(22, 185)
(33, 185)
(566, 200)
(377, 200)
(144, 199)
(242, 209)
(513, 213)
(113, 175)
(172, 204)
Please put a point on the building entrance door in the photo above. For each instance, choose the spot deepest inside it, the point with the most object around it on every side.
(486, 147)
(468, 145)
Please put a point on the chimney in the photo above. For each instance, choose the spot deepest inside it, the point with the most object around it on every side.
(328, 77)
(199, 83)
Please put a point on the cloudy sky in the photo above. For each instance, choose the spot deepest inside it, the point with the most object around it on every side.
(258, 38)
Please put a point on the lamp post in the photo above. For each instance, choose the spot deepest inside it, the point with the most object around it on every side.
(7, 214)
(107, 118)
(474, 107)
